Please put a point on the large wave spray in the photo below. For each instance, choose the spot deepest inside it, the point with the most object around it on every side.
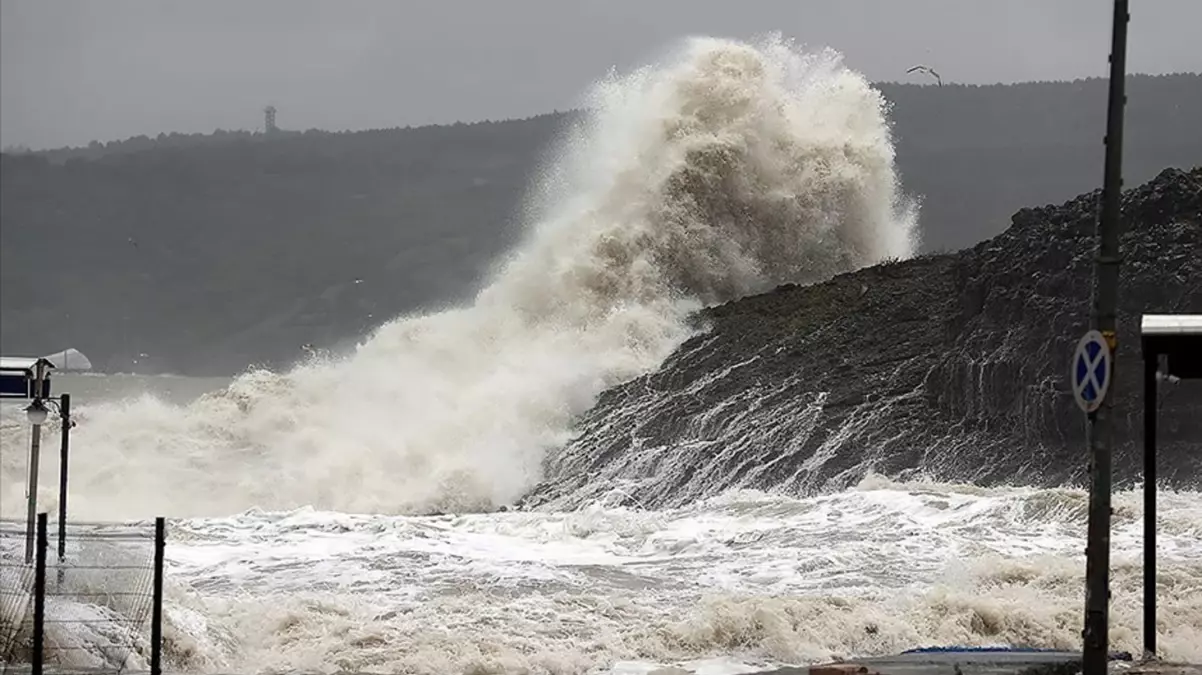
(725, 170)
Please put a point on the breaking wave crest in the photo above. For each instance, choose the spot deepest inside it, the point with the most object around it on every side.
(727, 169)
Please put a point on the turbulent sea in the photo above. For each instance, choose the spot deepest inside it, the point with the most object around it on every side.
(346, 514)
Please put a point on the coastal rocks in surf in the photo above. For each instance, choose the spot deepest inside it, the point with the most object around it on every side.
(950, 366)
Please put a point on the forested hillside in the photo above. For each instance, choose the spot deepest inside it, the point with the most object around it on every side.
(202, 254)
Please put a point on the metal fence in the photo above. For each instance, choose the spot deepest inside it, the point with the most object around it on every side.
(92, 603)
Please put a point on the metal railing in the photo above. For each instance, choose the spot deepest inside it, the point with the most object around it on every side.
(87, 609)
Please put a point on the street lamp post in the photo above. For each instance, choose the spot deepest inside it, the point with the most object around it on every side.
(37, 413)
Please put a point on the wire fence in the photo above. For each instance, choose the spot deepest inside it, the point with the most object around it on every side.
(81, 598)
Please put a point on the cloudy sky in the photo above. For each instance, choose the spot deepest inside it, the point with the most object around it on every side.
(76, 70)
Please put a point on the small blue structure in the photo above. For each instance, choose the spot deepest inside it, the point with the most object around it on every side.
(18, 375)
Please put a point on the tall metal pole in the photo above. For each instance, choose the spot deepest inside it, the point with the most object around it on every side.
(64, 457)
(1103, 319)
(35, 454)
(1150, 367)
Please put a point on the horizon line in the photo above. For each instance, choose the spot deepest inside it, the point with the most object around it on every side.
(21, 148)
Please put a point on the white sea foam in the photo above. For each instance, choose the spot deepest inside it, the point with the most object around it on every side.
(736, 582)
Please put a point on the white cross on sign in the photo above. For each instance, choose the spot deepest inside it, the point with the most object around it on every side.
(1091, 371)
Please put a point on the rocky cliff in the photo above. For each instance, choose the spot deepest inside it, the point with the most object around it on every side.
(952, 367)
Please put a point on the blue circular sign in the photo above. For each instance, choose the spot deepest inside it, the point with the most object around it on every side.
(1091, 371)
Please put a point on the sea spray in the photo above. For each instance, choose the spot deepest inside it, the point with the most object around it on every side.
(726, 169)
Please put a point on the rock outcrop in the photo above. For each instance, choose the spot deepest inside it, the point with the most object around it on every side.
(953, 367)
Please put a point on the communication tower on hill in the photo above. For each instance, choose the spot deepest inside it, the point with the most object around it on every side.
(269, 126)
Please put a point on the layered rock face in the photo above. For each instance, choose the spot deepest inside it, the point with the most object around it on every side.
(953, 367)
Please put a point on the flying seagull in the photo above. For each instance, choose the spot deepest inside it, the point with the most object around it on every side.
(925, 69)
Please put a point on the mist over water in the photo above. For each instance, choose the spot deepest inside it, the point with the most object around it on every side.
(725, 170)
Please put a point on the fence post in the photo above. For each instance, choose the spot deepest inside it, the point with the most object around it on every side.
(39, 597)
(156, 610)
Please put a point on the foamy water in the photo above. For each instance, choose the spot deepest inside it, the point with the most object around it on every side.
(740, 582)
(743, 581)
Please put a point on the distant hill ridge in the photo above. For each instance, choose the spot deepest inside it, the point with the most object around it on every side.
(202, 257)
(98, 149)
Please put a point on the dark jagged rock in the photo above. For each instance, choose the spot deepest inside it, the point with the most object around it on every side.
(950, 366)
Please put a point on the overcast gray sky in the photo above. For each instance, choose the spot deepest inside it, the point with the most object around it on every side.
(76, 70)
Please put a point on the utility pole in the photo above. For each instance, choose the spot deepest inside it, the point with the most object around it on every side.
(1103, 319)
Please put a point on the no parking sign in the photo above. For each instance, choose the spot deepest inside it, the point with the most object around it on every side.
(1091, 371)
